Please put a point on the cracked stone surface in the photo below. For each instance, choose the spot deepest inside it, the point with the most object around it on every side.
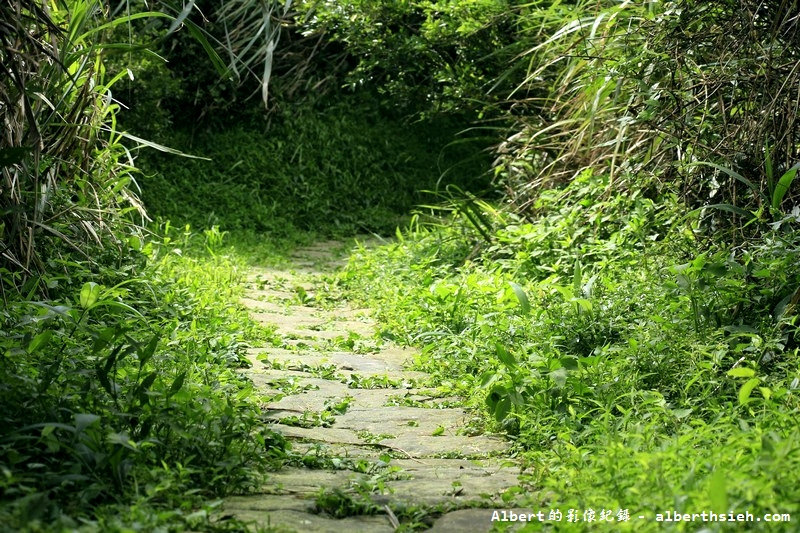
(366, 427)
(474, 521)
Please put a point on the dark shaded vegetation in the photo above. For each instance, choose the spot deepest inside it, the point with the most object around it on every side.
(341, 168)
(606, 267)
(321, 157)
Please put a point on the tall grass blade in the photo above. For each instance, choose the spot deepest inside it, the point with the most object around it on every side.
(783, 185)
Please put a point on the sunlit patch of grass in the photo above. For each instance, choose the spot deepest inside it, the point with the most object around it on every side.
(131, 379)
(628, 370)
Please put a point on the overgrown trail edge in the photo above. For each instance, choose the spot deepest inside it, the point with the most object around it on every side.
(373, 444)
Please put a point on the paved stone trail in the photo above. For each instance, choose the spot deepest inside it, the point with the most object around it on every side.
(368, 429)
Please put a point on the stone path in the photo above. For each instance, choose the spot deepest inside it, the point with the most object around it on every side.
(372, 445)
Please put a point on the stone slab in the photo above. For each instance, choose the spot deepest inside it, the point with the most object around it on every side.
(280, 308)
(413, 430)
(466, 520)
(456, 481)
(306, 522)
(369, 428)
(287, 322)
(363, 364)
(361, 399)
(327, 435)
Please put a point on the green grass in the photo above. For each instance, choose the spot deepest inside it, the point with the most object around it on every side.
(631, 369)
(122, 406)
(333, 170)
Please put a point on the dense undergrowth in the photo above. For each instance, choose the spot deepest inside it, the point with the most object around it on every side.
(633, 368)
(341, 167)
(120, 392)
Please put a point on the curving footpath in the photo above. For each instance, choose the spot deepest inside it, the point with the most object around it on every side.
(372, 446)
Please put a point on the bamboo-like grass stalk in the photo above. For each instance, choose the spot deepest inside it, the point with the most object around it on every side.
(65, 173)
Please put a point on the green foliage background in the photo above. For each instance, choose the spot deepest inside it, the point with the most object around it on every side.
(342, 167)
(606, 264)
(629, 372)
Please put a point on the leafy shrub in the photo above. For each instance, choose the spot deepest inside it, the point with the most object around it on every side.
(64, 172)
(421, 55)
(607, 345)
(123, 385)
(732, 93)
(577, 94)
(645, 88)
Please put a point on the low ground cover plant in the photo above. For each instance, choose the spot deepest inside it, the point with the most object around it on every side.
(632, 367)
(121, 392)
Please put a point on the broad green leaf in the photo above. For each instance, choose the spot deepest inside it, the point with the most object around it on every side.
(559, 377)
(716, 269)
(505, 356)
(135, 242)
(741, 372)
(577, 278)
(176, 384)
(127, 351)
(516, 397)
(519, 292)
(104, 381)
(123, 440)
(746, 390)
(783, 187)
(718, 491)
(498, 391)
(104, 370)
(40, 341)
(487, 378)
(502, 409)
(84, 420)
(570, 362)
(146, 383)
(90, 292)
(588, 288)
(147, 352)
